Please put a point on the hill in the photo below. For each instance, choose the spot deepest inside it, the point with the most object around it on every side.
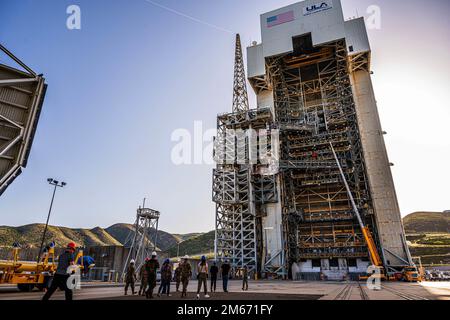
(184, 237)
(428, 234)
(31, 235)
(203, 243)
(121, 231)
(116, 235)
(427, 222)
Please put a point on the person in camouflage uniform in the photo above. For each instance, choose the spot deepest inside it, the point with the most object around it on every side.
(143, 275)
(178, 276)
(130, 278)
(186, 274)
(152, 267)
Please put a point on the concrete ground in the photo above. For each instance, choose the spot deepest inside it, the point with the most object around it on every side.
(265, 290)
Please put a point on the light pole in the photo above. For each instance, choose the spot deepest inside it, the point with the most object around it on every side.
(56, 185)
(178, 248)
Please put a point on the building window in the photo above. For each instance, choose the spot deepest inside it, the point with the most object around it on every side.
(334, 263)
(352, 263)
(316, 263)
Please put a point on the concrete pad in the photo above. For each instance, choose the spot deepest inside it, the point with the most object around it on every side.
(266, 290)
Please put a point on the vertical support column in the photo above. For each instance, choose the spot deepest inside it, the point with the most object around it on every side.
(388, 217)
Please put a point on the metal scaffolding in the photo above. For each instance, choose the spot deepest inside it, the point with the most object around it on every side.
(313, 107)
(232, 187)
(143, 238)
(22, 95)
(313, 92)
(240, 96)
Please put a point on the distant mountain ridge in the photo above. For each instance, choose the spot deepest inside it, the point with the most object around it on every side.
(428, 234)
(116, 235)
(31, 235)
(122, 231)
(427, 222)
(419, 226)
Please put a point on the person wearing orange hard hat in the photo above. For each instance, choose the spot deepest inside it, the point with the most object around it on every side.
(65, 260)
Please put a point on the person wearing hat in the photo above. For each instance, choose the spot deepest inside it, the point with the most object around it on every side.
(178, 276)
(202, 277)
(65, 260)
(186, 275)
(87, 262)
(166, 277)
(130, 277)
(152, 267)
(143, 275)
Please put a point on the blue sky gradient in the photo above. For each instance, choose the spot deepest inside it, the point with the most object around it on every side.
(136, 72)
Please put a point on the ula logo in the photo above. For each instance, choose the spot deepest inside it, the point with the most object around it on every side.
(317, 8)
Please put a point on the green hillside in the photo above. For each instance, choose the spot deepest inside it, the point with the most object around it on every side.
(31, 236)
(121, 231)
(200, 244)
(428, 234)
(427, 222)
(184, 237)
(116, 235)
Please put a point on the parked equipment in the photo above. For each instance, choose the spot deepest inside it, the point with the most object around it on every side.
(28, 275)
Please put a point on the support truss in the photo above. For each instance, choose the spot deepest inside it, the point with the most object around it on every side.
(21, 97)
(143, 238)
(240, 96)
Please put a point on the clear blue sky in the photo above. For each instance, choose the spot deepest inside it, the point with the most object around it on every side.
(136, 72)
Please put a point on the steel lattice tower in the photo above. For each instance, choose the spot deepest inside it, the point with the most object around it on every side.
(232, 189)
(240, 96)
(143, 243)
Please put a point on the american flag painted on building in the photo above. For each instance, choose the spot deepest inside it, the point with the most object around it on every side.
(280, 19)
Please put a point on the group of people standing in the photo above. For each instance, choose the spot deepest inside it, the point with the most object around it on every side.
(204, 272)
(148, 277)
(148, 274)
(181, 275)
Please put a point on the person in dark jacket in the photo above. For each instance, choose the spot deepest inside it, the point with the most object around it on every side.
(178, 276)
(245, 279)
(225, 268)
(213, 272)
(61, 276)
(87, 262)
(130, 278)
(166, 277)
(152, 267)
